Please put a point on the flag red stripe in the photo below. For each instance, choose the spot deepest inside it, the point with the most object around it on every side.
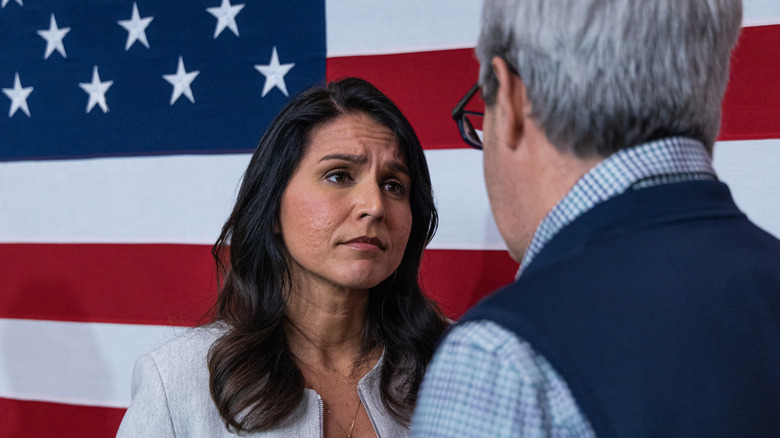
(457, 279)
(37, 419)
(414, 82)
(175, 284)
(751, 108)
(117, 283)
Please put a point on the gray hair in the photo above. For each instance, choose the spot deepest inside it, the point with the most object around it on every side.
(605, 75)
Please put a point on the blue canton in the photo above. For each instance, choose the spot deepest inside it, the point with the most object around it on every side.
(128, 78)
(484, 381)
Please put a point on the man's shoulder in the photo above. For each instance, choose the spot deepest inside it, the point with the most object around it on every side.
(482, 335)
(483, 340)
(498, 375)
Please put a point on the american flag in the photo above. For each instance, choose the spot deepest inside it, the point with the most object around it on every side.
(129, 125)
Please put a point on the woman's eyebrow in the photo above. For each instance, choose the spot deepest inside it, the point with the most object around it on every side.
(362, 159)
(352, 158)
(399, 166)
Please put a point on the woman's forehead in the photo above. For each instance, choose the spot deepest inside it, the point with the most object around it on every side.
(354, 134)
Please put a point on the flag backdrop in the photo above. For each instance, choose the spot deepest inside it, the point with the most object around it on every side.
(129, 125)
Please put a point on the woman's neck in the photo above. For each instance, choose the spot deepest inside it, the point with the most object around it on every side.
(325, 326)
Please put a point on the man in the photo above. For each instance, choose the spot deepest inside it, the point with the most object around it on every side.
(646, 303)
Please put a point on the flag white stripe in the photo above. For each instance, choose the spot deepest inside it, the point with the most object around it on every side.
(359, 27)
(186, 199)
(760, 12)
(750, 168)
(71, 362)
(375, 27)
(169, 199)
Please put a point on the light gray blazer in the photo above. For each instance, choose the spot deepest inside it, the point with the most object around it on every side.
(170, 397)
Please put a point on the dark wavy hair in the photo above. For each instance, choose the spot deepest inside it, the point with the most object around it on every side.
(254, 378)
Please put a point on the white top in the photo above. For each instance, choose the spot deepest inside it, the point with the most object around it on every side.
(171, 398)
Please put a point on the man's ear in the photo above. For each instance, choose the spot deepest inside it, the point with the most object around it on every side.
(511, 104)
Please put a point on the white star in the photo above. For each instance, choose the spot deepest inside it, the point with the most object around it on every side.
(18, 96)
(181, 82)
(274, 74)
(226, 17)
(53, 38)
(5, 2)
(97, 91)
(136, 28)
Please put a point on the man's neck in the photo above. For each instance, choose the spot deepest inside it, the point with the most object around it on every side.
(554, 174)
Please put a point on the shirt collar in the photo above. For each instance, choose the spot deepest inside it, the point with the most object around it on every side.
(656, 162)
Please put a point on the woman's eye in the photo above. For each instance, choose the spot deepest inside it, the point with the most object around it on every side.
(395, 187)
(339, 177)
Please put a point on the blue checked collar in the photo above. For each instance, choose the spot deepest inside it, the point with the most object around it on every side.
(673, 159)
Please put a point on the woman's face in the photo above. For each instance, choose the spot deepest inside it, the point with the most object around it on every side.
(345, 216)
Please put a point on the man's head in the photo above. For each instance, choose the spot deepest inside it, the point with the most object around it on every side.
(602, 75)
(569, 82)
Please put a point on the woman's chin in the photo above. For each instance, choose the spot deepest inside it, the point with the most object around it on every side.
(363, 280)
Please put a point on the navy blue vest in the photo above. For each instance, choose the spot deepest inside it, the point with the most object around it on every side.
(660, 308)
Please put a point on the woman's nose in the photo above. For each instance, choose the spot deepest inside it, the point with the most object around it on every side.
(369, 201)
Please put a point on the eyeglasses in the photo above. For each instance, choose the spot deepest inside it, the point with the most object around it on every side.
(469, 122)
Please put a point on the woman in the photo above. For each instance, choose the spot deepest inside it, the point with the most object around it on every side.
(321, 328)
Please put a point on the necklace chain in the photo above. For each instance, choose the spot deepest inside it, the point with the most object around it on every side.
(354, 417)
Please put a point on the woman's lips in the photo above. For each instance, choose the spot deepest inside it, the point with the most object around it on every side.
(366, 243)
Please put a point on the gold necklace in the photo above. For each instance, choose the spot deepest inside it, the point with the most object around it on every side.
(354, 417)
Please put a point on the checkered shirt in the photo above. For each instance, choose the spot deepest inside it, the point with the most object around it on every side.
(484, 381)
(659, 162)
